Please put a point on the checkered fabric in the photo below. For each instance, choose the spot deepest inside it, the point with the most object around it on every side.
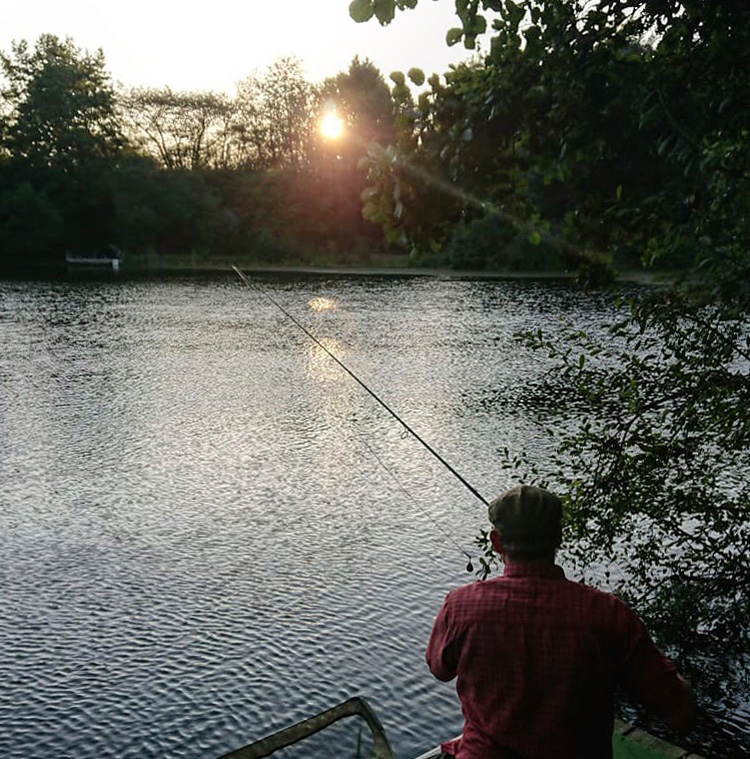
(537, 660)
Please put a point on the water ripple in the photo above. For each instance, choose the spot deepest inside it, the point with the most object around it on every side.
(197, 546)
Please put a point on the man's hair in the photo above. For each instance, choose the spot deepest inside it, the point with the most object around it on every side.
(528, 520)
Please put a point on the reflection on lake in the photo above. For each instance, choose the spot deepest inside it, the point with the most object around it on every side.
(198, 546)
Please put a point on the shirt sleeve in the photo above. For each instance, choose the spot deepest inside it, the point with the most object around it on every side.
(650, 677)
(442, 648)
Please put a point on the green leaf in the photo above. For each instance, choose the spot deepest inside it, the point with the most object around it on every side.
(371, 212)
(361, 10)
(453, 36)
(534, 237)
(385, 10)
(416, 75)
(514, 13)
(374, 150)
(480, 25)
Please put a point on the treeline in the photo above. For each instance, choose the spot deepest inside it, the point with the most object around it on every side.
(590, 135)
(172, 175)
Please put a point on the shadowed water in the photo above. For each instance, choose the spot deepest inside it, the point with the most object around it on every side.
(198, 546)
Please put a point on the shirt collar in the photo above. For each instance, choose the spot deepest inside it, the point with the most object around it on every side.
(533, 569)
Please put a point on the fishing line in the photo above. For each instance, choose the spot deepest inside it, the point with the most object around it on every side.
(401, 486)
(301, 326)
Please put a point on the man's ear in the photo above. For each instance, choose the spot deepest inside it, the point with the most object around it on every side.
(495, 540)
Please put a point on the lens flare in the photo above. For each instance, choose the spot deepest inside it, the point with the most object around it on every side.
(331, 126)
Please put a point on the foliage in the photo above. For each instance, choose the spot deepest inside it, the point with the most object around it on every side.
(491, 243)
(29, 224)
(361, 97)
(275, 116)
(172, 174)
(182, 130)
(61, 141)
(383, 10)
(267, 125)
(575, 130)
(173, 212)
(651, 448)
(61, 105)
(410, 194)
(653, 461)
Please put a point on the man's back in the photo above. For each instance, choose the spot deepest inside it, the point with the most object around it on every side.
(538, 658)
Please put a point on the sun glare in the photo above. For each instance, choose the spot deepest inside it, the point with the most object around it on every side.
(331, 126)
(319, 303)
(320, 366)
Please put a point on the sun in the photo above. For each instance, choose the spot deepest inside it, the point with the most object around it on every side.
(331, 126)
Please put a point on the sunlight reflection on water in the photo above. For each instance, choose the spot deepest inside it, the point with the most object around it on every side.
(198, 548)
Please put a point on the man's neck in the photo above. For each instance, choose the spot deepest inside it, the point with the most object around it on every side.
(532, 568)
(548, 560)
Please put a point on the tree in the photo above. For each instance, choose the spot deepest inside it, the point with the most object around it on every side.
(275, 116)
(182, 130)
(309, 202)
(61, 105)
(62, 140)
(29, 223)
(362, 99)
(579, 128)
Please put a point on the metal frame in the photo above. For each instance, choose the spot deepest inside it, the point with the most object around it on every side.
(353, 707)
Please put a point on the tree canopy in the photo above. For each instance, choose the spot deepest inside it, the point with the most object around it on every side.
(180, 174)
(60, 139)
(616, 131)
(61, 105)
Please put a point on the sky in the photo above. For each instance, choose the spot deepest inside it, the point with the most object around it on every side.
(212, 45)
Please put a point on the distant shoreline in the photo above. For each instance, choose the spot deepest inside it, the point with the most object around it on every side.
(634, 276)
(637, 277)
(392, 271)
(161, 268)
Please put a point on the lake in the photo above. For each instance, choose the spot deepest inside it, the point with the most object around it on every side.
(209, 531)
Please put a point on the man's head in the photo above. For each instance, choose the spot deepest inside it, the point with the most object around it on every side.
(527, 522)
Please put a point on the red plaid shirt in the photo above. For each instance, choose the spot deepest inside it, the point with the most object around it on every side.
(537, 659)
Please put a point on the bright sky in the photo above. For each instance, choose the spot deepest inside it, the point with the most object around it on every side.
(211, 45)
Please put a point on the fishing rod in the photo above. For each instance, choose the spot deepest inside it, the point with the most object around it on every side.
(246, 280)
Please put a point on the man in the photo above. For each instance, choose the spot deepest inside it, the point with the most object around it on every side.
(537, 657)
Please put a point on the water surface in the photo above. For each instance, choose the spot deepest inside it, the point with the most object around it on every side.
(199, 544)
